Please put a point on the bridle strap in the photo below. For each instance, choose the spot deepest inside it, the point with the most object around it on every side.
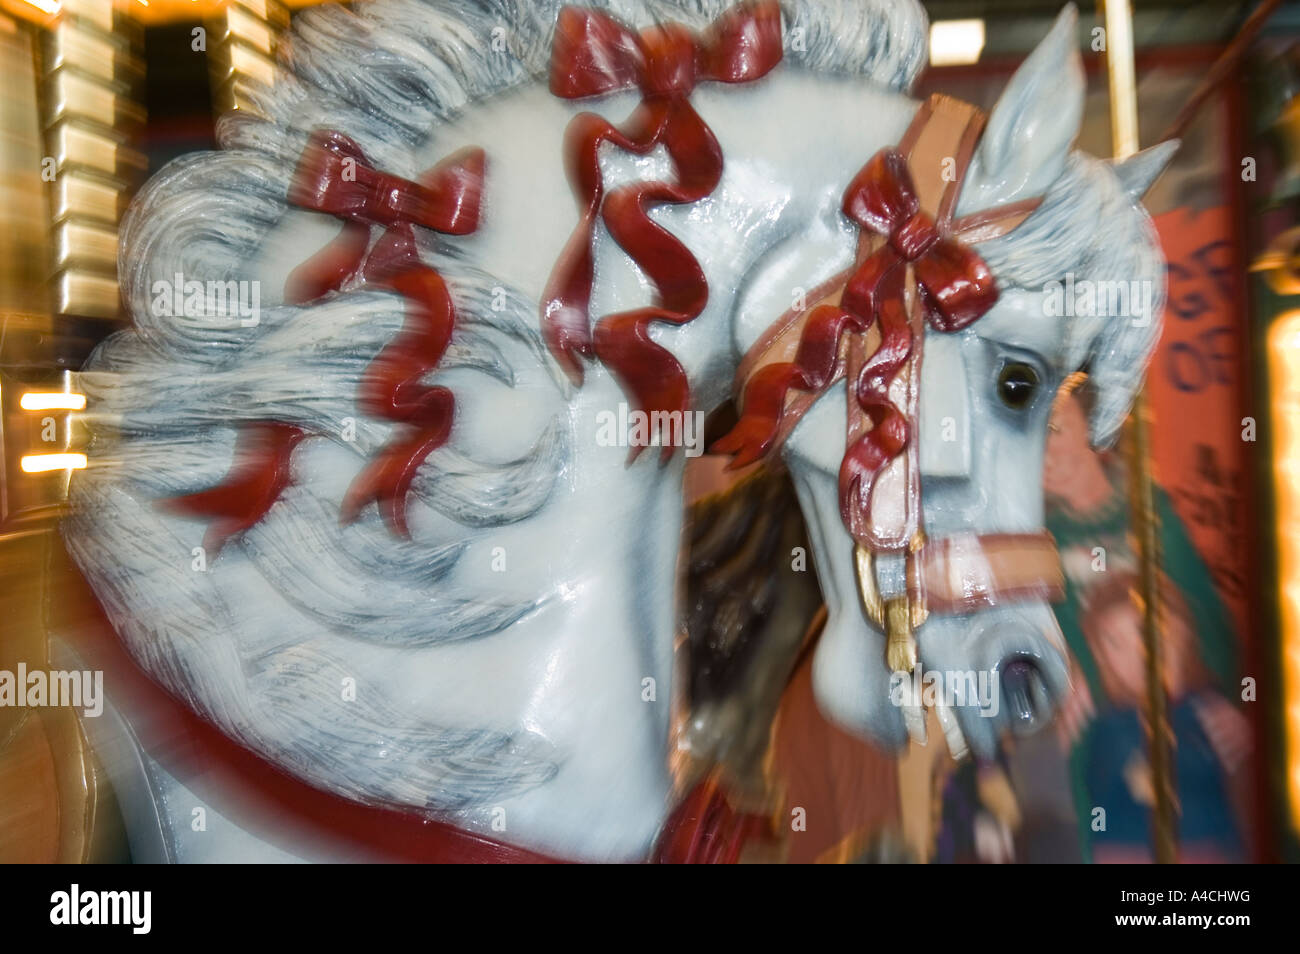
(959, 574)
(967, 572)
(938, 146)
(938, 183)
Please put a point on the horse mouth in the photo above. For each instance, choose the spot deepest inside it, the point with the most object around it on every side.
(1025, 695)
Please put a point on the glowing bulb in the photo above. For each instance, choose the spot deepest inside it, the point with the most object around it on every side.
(52, 401)
(954, 42)
(42, 463)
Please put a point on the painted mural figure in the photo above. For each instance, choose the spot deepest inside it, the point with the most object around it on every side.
(1088, 515)
(1103, 764)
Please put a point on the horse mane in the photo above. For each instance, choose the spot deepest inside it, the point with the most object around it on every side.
(750, 594)
(387, 74)
(168, 393)
(1089, 226)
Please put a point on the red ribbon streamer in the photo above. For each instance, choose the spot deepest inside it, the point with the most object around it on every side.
(954, 287)
(704, 829)
(334, 177)
(596, 54)
(258, 476)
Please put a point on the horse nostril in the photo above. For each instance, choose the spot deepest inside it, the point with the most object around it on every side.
(1025, 695)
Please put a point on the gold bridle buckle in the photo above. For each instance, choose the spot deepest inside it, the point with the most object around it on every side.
(898, 616)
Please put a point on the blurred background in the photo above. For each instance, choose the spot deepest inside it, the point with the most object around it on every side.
(98, 95)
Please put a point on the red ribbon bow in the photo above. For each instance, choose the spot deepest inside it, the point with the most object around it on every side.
(955, 287)
(334, 177)
(594, 54)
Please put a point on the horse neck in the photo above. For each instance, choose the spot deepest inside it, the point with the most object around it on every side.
(769, 228)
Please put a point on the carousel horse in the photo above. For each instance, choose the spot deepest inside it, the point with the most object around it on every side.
(401, 542)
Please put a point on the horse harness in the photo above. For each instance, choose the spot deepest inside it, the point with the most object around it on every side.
(903, 576)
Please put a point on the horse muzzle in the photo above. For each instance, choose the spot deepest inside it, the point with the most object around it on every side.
(1008, 579)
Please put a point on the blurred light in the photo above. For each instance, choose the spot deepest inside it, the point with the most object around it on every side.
(954, 42)
(49, 7)
(52, 401)
(1284, 372)
(40, 463)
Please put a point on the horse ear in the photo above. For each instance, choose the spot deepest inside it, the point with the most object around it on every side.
(1139, 172)
(1122, 347)
(1033, 125)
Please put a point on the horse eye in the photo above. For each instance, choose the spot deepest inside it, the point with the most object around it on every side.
(1017, 384)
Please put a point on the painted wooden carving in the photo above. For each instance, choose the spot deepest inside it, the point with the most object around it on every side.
(384, 521)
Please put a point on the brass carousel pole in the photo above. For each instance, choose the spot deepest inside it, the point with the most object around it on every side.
(1124, 136)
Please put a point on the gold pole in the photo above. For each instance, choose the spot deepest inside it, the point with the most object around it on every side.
(1222, 69)
(1124, 137)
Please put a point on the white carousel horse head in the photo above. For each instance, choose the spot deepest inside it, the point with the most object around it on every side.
(507, 666)
(985, 398)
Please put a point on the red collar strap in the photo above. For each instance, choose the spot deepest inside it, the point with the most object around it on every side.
(703, 829)
(201, 756)
(706, 830)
